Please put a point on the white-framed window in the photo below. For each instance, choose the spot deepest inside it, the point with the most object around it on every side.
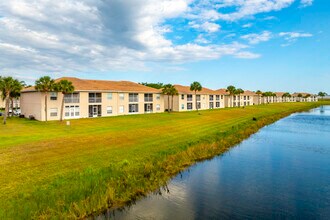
(121, 96)
(189, 98)
(189, 106)
(53, 112)
(121, 109)
(158, 107)
(148, 97)
(53, 96)
(109, 109)
(109, 96)
(182, 96)
(221, 96)
(182, 106)
(217, 104)
(158, 96)
(198, 97)
(217, 97)
(71, 98)
(133, 97)
(211, 97)
(132, 108)
(71, 111)
(198, 105)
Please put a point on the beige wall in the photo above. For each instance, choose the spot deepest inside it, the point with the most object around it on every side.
(239, 100)
(180, 102)
(32, 103)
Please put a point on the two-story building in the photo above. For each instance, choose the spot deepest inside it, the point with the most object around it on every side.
(93, 98)
(186, 100)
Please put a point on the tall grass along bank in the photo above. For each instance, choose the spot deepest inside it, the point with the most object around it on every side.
(53, 170)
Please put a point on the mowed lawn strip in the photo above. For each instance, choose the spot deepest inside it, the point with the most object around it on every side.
(35, 155)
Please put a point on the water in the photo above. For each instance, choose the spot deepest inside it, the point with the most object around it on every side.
(281, 172)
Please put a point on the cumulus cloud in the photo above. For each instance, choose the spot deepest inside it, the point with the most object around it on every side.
(100, 35)
(306, 3)
(292, 37)
(257, 38)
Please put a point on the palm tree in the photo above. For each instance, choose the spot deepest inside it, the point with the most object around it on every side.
(173, 91)
(259, 93)
(167, 91)
(286, 95)
(196, 86)
(232, 91)
(65, 87)
(45, 84)
(239, 92)
(9, 86)
(322, 94)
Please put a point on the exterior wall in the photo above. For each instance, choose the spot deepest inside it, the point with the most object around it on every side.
(180, 102)
(33, 103)
(2, 103)
(240, 100)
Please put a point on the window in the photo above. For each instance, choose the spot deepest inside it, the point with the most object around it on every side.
(158, 107)
(95, 97)
(53, 96)
(121, 109)
(158, 96)
(221, 96)
(148, 107)
(211, 105)
(148, 97)
(244, 97)
(244, 103)
(133, 97)
(217, 97)
(182, 96)
(198, 97)
(189, 106)
(71, 111)
(109, 96)
(217, 104)
(248, 97)
(189, 98)
(198, 105)
(53, 112)
(182, 106)
(133, 108)
(71, 98)
(211, 97)
(109, 109)
(121, 96)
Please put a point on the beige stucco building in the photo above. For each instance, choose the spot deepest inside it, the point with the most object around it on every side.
(186, 100)
(245, 99)
(93, 98)
(304, 97)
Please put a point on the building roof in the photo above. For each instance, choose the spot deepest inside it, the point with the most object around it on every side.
(222, 91)
(186, 90)
(302, 93)
(279, 94)
(248, 92)
(103, 85)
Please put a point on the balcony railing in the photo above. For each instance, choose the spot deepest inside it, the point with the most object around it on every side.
(71, 100)
(95, 100)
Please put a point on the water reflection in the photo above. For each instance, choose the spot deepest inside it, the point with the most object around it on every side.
(283, 171)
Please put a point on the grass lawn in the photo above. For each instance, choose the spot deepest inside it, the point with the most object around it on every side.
(50, 169)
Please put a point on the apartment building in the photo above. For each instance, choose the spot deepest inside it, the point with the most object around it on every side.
(304, 97)
(245, 99)
(15, 103)
(93, 98)
(186, 100)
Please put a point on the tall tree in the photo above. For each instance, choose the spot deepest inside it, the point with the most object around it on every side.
(231, 89)
(9, 86)
(173, 91)
(65, 87)
(45, 85)
(322, 94)
(196, 86)
(259, 93)
(167, 91)
(238, 92)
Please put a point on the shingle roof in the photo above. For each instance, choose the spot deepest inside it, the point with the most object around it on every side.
(103, 85)
(279, 94)
(186, 90)
(248, 92)
(302, 93)
(222, 91)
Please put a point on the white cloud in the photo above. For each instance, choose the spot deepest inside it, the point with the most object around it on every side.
(257, 38)
(101, 35)
(306, 3)
(294, 35)
(206, 26)
(248, 25)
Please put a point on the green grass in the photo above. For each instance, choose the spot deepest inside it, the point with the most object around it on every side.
(53, 170)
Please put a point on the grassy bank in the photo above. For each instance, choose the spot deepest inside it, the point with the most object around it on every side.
(50, 169)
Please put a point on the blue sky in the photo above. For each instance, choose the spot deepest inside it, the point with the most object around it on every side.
(276, 45)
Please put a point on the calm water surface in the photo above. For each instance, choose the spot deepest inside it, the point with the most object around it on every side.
(282, 172)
